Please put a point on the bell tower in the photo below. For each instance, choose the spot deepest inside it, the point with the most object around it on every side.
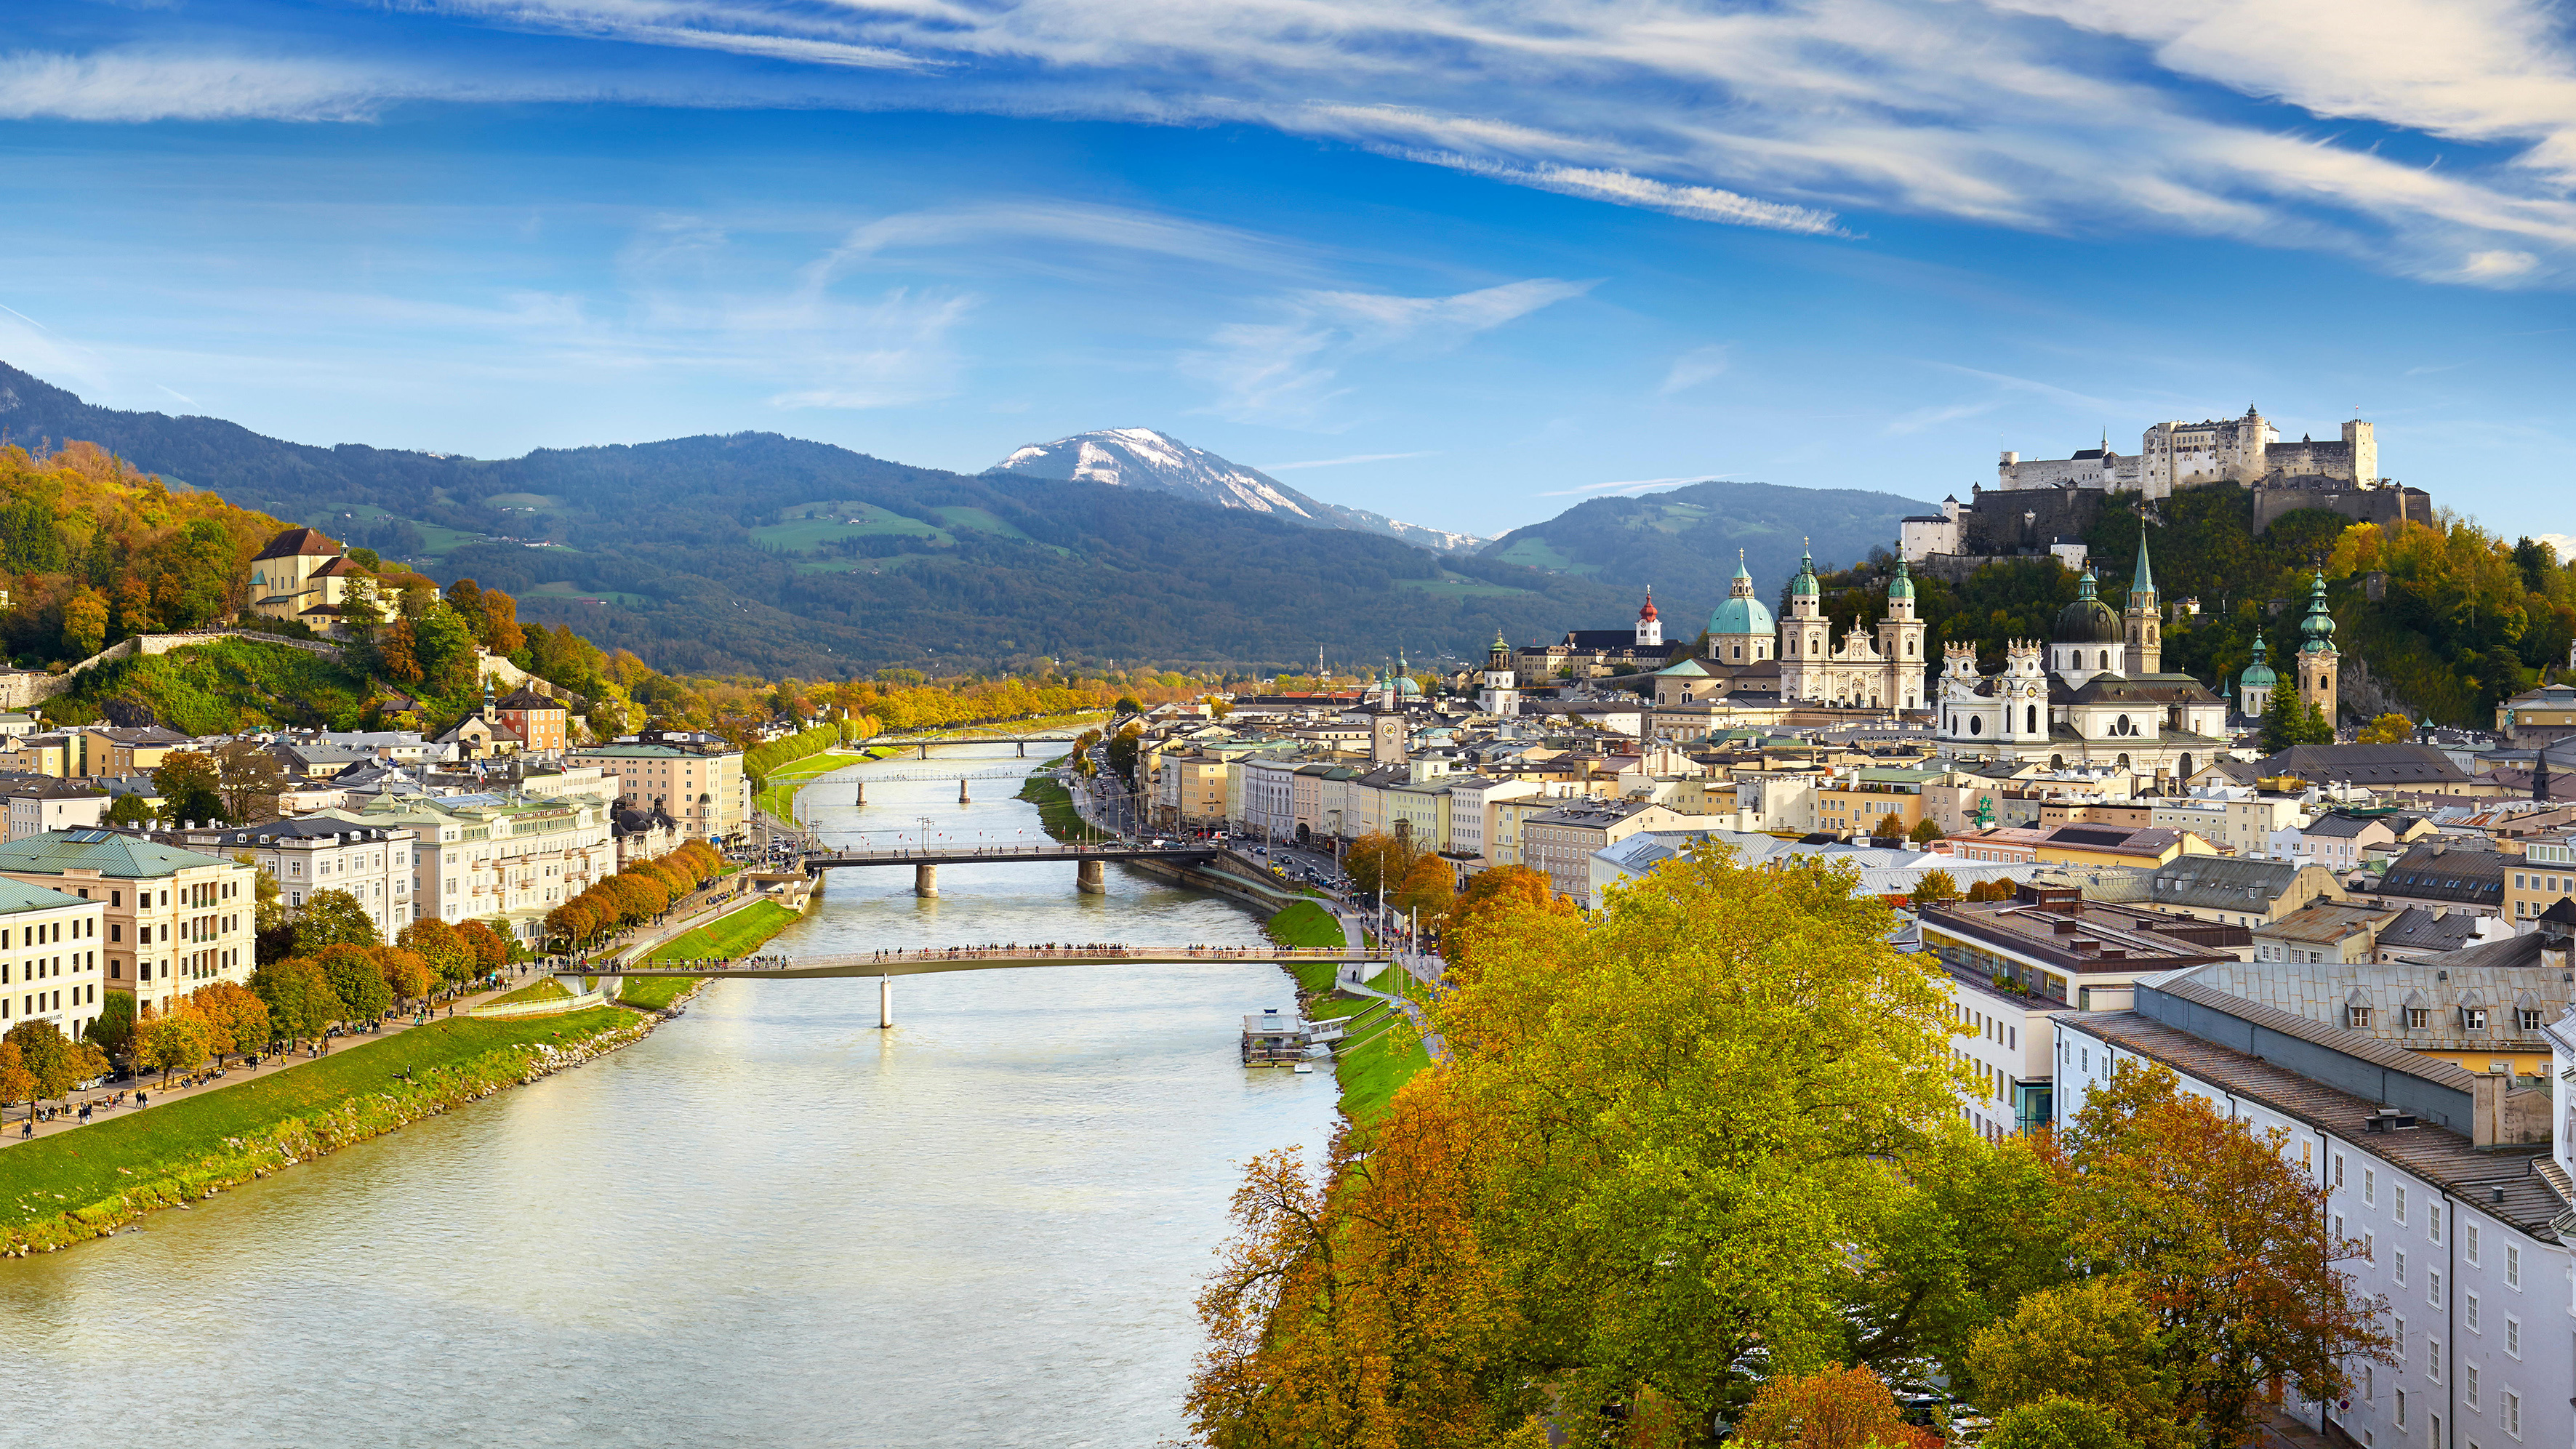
(2317, 655)
(1806, 636)
(2142, 622)
(1387, 730)
(1650, 625)
(1501, 695)
(1900, 642)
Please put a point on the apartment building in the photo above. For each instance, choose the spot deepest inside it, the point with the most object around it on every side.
(2545, 876)
(49, 957)
(38, 803)
(501, 858)
(2447, 1214)
(701, 787)
(372, 863)
(175, 919)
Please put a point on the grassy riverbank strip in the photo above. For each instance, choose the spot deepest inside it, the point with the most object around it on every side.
(1384, 1051)
(61, 1189)
(778, 791)
(729, 937)
(658, 993)
(544, 988)
(1056, 812)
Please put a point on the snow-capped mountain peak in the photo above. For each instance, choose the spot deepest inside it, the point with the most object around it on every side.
(1145, 458)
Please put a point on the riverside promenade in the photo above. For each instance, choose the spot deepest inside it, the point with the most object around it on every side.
(720, 897)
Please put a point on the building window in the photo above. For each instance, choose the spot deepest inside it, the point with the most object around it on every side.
(2513, 1414)
(2512, 1266)
(2401, 1204)
(2469, 1385)
(2469, 1312)
(2513, 1335)
(2338, 1170)
(2527, 1019)
(2360, 1015)
(2370, 1187)
(2418, 1018)
(2472, 1243)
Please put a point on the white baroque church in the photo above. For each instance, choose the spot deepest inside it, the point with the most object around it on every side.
(1861, 671)
(2093, 694)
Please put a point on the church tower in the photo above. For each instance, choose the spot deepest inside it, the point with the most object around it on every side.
(1501, 695)
(1387, 729)
(1806, 643)
(1650, 625)
(2254, 686)
(2317, 656)
(2141, 621)
(1900, 642)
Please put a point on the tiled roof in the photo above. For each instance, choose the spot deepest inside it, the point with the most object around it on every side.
(295, 541)
(109, 852)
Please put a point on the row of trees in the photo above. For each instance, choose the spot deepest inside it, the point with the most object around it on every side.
(1706, 1142)
(37, 1061)
(637, 893)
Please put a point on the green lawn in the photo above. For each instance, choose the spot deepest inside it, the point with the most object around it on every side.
(652, 993)
(1308, 924)
(75, 1169)
(544, 988)
(1384, 1055)
(734, 936)
(778, 790)
(977, 520)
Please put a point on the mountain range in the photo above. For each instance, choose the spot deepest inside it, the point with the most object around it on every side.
(1144, 458)
(757, 553)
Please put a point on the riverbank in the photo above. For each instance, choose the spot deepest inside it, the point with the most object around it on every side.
(83, 1184)
(1386, 1052)
(778, 790)
(728, 937)
(1057, 814)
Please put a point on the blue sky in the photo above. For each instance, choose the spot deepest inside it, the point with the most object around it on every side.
(1465, 263)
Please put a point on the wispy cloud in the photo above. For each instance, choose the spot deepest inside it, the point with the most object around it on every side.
(1338, 462)
(1288, 370)
(2042, 115)
(1700, 364)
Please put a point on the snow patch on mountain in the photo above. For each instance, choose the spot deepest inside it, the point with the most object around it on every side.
(1144, 458)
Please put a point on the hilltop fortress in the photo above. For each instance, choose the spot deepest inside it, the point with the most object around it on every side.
(2041, 503)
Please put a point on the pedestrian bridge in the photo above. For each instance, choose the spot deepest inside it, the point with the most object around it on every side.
(926, 860)
(886, 965)
(982, 958)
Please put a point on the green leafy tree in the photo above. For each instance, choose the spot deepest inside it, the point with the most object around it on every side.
(128, 810)
(443, 647)
(190, 785)
(1935, 887)
(1968, 1230)
(299, 998)
(1925, 831)
(357, 980)
(113, 1028)
(2387, 729)
(2056, 1422)
(2091, 1340)
(333, 918)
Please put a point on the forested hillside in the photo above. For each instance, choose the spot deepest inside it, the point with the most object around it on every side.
(763, 553)
(1684, 541)
(2462, 618)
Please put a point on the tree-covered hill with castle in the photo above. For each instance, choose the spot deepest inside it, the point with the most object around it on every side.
(2443, 621)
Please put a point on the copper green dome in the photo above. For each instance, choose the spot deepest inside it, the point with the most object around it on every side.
(2258, 675)
(2088, 620)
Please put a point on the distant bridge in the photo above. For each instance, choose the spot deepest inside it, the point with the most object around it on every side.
(1063, 735)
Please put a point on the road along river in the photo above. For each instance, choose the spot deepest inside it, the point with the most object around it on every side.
(768, 1224)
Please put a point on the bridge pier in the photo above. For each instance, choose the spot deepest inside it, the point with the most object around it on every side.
(1024, 749)
(885, 1002)
(925, 880)
(1089, 878)
(863, 794)
(961, 794)
(925, 750)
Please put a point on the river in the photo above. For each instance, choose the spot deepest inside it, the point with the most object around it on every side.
(770, 1223)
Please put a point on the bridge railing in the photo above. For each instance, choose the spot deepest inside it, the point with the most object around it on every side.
(1106, 952)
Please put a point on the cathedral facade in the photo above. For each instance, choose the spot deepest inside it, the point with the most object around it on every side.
(2091, 695)
(1798, 661)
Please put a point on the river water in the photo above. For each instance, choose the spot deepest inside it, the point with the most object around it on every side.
(770, 1223)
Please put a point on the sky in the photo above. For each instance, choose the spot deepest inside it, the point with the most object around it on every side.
(1466, 262)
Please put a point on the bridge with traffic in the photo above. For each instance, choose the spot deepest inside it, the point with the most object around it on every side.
(926, 860)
